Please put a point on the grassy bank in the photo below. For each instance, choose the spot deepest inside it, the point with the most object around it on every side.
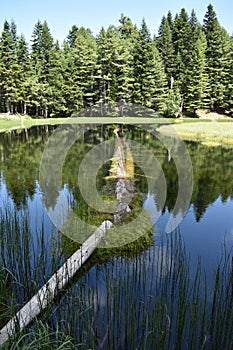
(212, 133)
(8, 124)
(205, 130)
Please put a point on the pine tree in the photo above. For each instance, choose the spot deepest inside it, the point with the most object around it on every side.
(170, 19)
(42, 45)
(218, 53)
(72, 35)
(9, 68)
(103, 78)
(85, 56)
(181, 44)
(109, 62)
(70, 87)
(150, 79)
(165, 46)
(36, 50)
(126, 28)
(57, 103)
(228, 81)
(161, 88)
(126, 43)
(197, 87)
(25, 73)
(122, 72)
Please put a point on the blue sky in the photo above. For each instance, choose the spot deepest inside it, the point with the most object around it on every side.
(62, 14)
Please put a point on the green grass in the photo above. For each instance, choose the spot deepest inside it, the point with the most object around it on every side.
(7, 124)
(41, 337)
(187, 128)
(213, 132)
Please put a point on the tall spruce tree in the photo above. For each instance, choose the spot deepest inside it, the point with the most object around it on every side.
(9, 68)
(150, 79)
(72, 35)
(122, 72)
(103, 78)
(197, 84)
(228, 100)
(42, 45)
(109, 64)
(25, 73)
(70, 88)
(165, 46)
(218, 53)
(57, 103)
(128, 38)
(85, 59)
(181, 44)
(186, 65)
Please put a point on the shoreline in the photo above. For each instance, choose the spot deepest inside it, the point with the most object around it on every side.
(215, 132)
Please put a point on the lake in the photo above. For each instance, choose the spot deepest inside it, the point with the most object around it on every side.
(107, 305)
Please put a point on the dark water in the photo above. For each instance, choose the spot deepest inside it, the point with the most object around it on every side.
(207, 225)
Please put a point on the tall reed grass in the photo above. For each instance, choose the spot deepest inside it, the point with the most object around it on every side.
(147, 301)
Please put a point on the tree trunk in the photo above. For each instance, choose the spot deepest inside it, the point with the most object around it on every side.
(7, 105)
(46, 112)
(24, 108)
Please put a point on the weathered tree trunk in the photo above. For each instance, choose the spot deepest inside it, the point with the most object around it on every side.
(7, 105)
(46, 112)
(24, 108)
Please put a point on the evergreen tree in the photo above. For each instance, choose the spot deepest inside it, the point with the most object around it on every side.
(42, 45)
(70, 89)
(128, 37)
(103, 77)
(165, 46)
(72, 35)
(194, 29)
(36, 50)
(228, 100)
(25, 73)
(109, 63)
(85, 60)
(150, 79)
(127, 29)
(57, 103)
(170, 19)
(8, 67)
(186, 66)
(218, 53)
(181, 44)
(197, 87)
(122, 72)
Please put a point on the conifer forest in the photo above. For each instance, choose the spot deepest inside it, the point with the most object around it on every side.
(186, 66)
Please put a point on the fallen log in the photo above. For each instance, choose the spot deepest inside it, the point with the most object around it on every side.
(56, 283)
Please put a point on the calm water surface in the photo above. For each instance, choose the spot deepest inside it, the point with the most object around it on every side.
(206, 226)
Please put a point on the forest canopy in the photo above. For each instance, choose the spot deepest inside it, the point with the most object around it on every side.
(187, 66)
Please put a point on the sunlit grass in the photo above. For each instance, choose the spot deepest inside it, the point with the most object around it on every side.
(213, 132)
(188, 128)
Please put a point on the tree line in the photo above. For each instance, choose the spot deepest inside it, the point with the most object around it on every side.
(186, 67)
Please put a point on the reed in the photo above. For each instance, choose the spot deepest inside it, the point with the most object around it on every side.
(149, 300)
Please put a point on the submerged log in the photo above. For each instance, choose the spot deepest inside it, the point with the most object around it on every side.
(124, 194)
(56, 283)
(122, 169)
